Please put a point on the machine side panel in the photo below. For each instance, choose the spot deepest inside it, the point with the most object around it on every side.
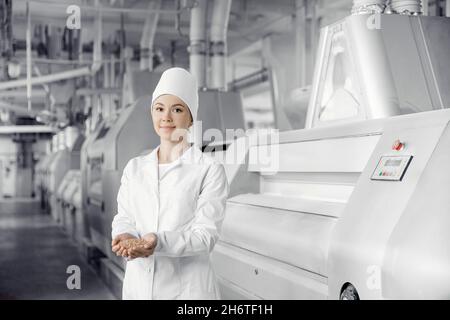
(361, 235)
(417, 261)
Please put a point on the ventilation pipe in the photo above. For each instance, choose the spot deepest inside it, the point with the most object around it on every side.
(218, 38)
(97, 50)
(148, 35)
(197, 47)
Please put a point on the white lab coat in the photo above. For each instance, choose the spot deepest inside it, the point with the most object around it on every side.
(185, 208)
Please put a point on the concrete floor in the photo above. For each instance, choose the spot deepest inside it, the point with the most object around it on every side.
(35, 254)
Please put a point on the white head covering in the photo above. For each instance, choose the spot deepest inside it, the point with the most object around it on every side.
(179, 82)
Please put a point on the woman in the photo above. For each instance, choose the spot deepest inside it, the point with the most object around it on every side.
(173, 198)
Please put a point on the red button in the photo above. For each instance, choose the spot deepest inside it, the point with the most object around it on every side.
(398, 145)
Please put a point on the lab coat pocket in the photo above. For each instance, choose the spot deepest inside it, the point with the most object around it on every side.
(167, 278)
(130, 290)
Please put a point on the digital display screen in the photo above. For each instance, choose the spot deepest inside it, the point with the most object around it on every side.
(393, 163)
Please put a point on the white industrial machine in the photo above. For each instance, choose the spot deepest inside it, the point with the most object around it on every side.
(355, 206)
(66, 158)
(43, 170)
(69, 199)
(84, 177)
(39, 179)
(67, 179)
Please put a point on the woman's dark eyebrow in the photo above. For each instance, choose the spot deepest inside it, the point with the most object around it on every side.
(174, 105)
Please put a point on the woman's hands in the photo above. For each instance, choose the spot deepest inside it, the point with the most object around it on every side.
(117, 247)
(130, 247)
(146, 249)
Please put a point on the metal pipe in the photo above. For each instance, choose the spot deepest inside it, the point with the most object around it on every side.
(17, 109)
(312, 37)
(300, 42)
(108, 9)
(252, 79)
(46, 88)
(5, 35)
(97, 54)
(40, 93)
(197, 47)
(148, 36)
(47, 78)
(73, 62)
(89, 91)
(122, 46)
(218, 38)
(106, 76)
(28, 54)
(178, 19)
(26, 129)
(113, 72)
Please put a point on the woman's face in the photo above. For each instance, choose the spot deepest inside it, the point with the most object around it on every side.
(171, 117)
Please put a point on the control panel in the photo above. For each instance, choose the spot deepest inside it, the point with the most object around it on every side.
(391, 168)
